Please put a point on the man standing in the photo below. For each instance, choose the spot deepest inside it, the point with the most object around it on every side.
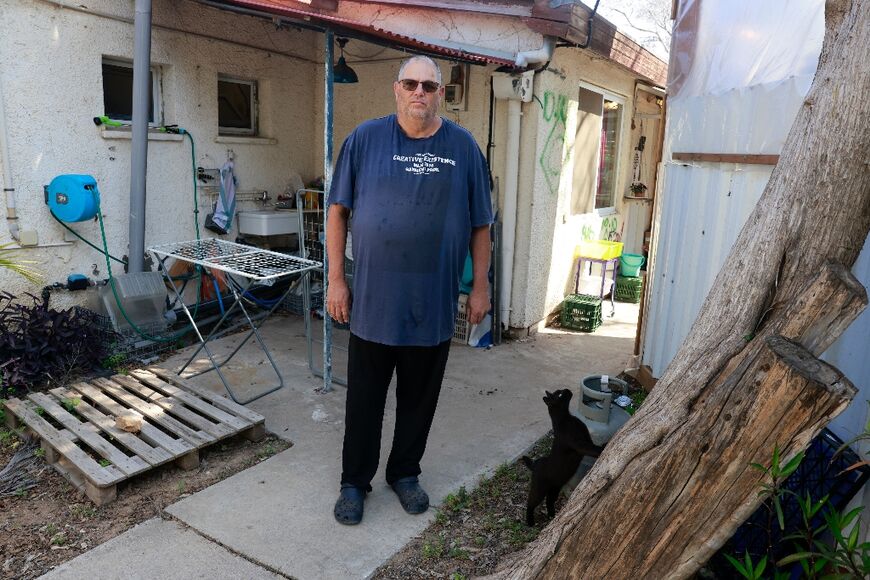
(419, 191)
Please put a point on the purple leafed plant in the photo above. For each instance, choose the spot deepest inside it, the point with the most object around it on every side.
(40, 345)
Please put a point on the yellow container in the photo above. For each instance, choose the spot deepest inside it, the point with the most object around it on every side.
(598, 250)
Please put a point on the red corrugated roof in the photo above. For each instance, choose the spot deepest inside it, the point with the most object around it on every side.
(298, 10)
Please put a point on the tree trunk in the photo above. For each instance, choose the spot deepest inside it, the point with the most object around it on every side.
(674, 483)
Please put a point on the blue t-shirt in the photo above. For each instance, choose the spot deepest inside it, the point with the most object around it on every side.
(414, 202)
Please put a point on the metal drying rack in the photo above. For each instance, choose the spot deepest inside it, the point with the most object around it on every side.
(253, 265)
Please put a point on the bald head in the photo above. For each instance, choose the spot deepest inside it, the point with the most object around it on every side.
(422, 60)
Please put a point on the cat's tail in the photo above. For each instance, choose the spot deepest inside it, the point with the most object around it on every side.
(528, 462)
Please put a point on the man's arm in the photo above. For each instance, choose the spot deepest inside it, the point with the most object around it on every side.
(478, 300)
(337, 293)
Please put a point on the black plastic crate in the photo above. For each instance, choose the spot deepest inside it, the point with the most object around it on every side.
(819, 474)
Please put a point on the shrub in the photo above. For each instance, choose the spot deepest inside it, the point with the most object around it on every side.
(39, 344)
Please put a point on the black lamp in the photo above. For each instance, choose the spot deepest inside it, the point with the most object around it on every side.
(341, 73)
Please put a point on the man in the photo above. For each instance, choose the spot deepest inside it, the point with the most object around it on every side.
(419, 191)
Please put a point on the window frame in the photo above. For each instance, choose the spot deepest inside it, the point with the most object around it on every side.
(254, 129)
(621, 100)
(156, 88)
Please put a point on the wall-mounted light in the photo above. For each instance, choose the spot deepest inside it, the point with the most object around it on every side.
(341, 72)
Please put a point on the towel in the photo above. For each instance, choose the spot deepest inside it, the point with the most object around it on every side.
(225, 206)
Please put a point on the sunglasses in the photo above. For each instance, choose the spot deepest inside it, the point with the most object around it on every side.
(410, 85)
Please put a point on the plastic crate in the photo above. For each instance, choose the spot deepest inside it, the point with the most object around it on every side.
(581, 312)
(819, 474)
(461, 326)
(294, 302)
(628, 289)
(598, 249)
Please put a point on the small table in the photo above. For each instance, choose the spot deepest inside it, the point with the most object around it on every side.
(605, 266)
(237, 261)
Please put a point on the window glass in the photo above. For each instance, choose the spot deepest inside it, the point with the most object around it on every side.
(118, 91)
(610, 129)
(237, 106)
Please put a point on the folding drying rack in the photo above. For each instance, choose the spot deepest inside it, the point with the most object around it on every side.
(251, 265)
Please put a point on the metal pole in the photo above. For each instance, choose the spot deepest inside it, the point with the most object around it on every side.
(327, 182)
(141, 105)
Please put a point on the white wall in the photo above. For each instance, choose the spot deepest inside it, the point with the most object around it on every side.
(50, 70)
(547, 232)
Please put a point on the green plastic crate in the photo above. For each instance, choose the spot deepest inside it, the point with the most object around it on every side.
(629, 289)
(581, 312)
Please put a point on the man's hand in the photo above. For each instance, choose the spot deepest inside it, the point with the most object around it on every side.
(338, 301)
(477, 305)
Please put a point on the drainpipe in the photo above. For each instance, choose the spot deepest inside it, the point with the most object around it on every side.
(8, 188)
(141, 103)
(543, 54)
(509, 215)
(516, 89)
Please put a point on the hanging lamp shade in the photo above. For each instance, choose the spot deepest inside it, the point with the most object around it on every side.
(341, 73)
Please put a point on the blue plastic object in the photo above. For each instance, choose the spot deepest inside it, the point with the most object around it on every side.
(629, 265)
(73, 198)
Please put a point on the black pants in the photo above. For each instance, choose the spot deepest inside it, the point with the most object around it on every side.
(419, 372)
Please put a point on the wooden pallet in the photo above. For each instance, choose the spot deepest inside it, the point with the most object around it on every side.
(76, 426)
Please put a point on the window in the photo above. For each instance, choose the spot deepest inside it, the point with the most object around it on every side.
(118, 91)
(610, 128)
(596, 150)
(237, 106)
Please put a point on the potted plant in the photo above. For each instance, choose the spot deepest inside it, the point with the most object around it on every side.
(637, 189)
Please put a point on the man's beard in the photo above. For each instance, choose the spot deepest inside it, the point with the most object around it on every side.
(424, 114)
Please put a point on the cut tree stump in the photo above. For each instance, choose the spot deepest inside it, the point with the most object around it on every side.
(81, 440)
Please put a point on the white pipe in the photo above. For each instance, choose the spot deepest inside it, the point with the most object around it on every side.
(8, 188)
(509, 210)
(543, 54)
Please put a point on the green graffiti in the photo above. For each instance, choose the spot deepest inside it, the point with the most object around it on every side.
(587, 233)
(609, 229)
(555, 112)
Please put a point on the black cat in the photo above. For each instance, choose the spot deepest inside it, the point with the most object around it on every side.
(571, 442)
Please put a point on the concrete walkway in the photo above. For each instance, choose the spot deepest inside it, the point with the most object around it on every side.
(275, 518)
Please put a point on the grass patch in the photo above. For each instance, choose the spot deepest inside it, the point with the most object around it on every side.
(473, 530)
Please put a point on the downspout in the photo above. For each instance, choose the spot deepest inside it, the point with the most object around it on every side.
(8, 188)
(543, 54)
(509, 213)
(141, 103)
(512, 170)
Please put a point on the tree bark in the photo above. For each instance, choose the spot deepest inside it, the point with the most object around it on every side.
(727, 397)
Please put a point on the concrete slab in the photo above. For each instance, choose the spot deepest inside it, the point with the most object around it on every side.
(158, 549)
(279, 512)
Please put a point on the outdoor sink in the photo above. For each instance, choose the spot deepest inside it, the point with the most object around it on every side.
(268, 222)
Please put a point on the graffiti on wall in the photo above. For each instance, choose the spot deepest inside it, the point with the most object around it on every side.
(587, 233)
(610, 229)
(555, 113)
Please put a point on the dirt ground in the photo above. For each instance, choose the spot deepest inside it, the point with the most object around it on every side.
(476, 530)
(473, 531)
(53, 522)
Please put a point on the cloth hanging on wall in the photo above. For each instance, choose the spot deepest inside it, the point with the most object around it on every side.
(221, 221)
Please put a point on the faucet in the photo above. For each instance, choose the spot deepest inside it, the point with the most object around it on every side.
(265, 197)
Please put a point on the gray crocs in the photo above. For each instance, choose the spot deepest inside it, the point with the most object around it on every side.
(412, 497)
(349, 506)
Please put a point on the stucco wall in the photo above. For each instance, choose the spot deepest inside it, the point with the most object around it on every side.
(547, 232)
(50, 70)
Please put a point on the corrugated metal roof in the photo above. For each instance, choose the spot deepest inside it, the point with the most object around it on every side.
(296, 10)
